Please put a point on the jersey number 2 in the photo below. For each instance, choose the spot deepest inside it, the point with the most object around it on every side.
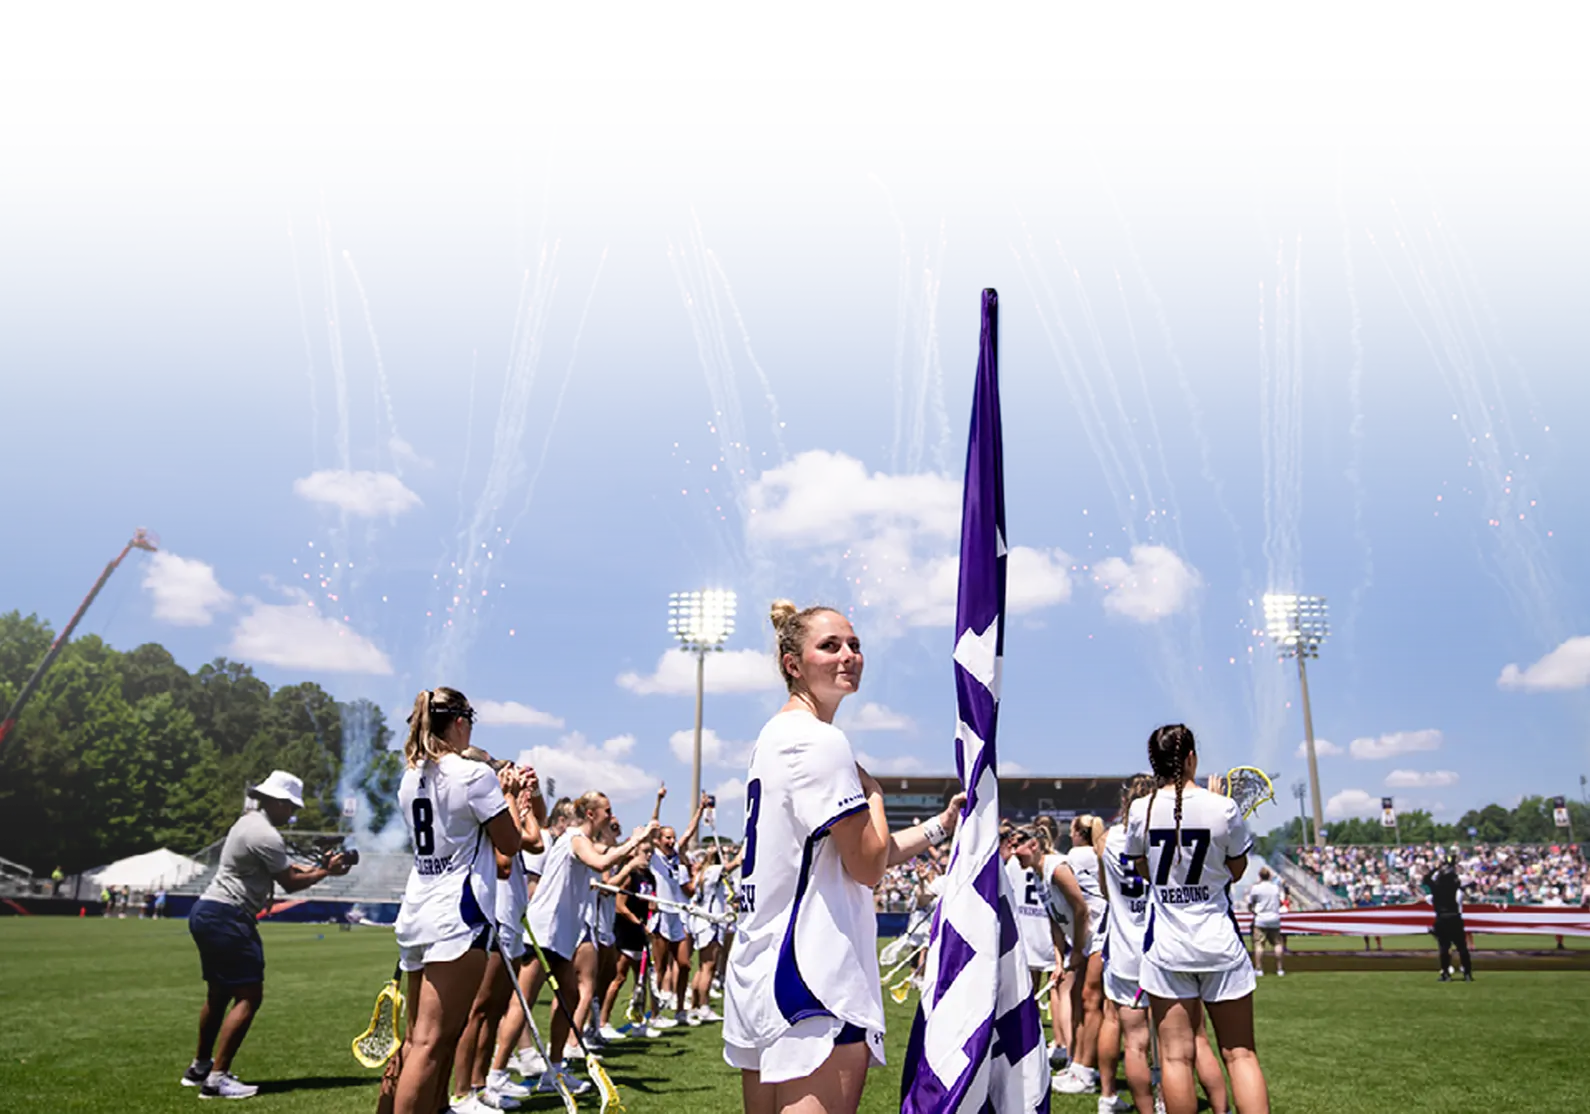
(424, 834)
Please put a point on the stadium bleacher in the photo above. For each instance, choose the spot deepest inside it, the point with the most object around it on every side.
(1502, 874)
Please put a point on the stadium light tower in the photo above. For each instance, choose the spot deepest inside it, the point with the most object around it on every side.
(702, 621)
(1298, 625)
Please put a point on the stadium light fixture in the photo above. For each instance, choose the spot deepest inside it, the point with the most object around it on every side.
(1298, 626)
(702, 621)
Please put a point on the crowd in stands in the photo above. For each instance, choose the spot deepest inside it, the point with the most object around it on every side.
(1500, 874)
(898, 891)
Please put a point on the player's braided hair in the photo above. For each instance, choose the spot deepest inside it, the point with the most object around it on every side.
(435, 710)
(1168, 748)
(789, 625)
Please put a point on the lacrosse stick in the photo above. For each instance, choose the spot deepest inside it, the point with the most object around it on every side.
(1249, 787)
(639, 998)
(894, 949)
(605, 1086)
(671, 906)
(903, 964)
(377, 1044)
(530, 1024)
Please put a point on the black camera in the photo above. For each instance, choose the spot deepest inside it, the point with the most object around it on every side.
(712, 802)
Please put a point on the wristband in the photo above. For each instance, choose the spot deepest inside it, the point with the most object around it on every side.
(934, 831)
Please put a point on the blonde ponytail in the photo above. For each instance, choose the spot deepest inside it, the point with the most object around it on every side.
(435, 711)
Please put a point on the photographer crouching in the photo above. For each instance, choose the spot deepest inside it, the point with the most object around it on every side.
(253, 859)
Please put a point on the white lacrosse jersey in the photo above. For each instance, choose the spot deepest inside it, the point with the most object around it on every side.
(806, 943)
(452, 886)
(513, 895)
(1032, 914)
(1085, 865)
(1128, 898)
(562, 913)
(1191, 925)
(1264, 898)
(1054, 901)
(671, 874)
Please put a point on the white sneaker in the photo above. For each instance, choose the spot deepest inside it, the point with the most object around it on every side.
(573, 1052)
(490, 1099)
(693, 1018)
(1279, 973)
(610, 1035)
(1258, 972)
(1075, 1081)
(664, 1022)
(528, 1063)
(708, 1014)
(502, 1084)
(466, 1104)
(225, 1085)
(1115, 1104)
(717, 991)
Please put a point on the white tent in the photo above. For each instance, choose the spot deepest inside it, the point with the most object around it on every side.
(149, 871)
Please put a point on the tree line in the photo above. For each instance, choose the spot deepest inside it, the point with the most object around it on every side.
(124, 752)
(1530, 822)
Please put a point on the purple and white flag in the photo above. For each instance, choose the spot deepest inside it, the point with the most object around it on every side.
(977, 1043)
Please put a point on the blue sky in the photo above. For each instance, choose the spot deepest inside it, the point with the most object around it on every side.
(341, 309)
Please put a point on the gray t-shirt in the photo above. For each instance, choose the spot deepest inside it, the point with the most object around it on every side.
(254, 853)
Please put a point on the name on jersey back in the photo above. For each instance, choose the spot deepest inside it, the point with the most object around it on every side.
(1183, 895)
(427, 866)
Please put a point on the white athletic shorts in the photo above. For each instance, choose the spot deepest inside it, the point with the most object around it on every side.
(1124, 991)
(513, 941)
(707, 934)
(670, 926)
(800, 1051)
(444, 951)
(1211, 986)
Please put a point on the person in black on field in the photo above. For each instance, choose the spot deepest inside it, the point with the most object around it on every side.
(1446, 893)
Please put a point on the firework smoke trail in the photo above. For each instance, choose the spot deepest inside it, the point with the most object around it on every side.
(1463, 253)
(470, 569)
(902, 304)
(750, 354)
(1355, 433)
(1083, 402)
(1163, 320)
(1112, 385)
(557, 406)
(1515, 557)
(399, 448)
(1248, 162)
(309, 352)
(339, 370)
(1172, 516)
(519, 178)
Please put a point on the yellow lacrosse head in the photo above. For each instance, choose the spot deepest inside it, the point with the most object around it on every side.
(375, 1046)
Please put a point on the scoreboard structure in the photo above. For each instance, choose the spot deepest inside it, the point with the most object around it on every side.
(909, 798)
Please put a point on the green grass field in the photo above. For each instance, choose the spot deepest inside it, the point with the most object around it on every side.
(99, 1015)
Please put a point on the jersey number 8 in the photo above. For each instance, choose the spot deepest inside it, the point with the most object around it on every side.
(424, 833)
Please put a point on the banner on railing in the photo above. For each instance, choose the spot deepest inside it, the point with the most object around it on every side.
(1412, 920)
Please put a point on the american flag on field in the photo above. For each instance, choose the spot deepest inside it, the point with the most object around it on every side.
(977, 1043)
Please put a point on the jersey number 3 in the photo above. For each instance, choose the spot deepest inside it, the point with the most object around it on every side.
(753, 809)
(424, 833)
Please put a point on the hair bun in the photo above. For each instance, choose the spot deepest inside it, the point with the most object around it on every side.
(781, 612)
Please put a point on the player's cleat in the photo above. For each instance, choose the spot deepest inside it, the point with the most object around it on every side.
(573, 1052)
(225, 1085)
(1445, 977)
(548, 1083)
(708, 1014)
(692, 1019)
(1258, 972)
(1115, 1104)
(502, 1083)
(488, 1100)
(1280, 972)
(610, 1035)
(662, 1021)
(528, 1063)
(196, 1074)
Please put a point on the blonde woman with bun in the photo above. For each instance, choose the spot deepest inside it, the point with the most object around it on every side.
(803, 1001)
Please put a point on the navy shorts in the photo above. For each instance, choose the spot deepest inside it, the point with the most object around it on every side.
(230, 952)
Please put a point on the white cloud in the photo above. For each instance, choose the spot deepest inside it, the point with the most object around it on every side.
(1323, 748)
(875, 717)
(1566, 667)
(185, 591)
(890, 764)
(1352, 802)
(893, 539)
(1396, 743)
(730, 792)
(728, 671)
(714, 751)
(367, 494)
(297, 636)
(1415, 779)
(578, 767)
(511, 713)
(1155, 583)
(822, 495)
(403, 450)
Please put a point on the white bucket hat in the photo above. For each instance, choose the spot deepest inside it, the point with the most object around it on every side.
(282, 786)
